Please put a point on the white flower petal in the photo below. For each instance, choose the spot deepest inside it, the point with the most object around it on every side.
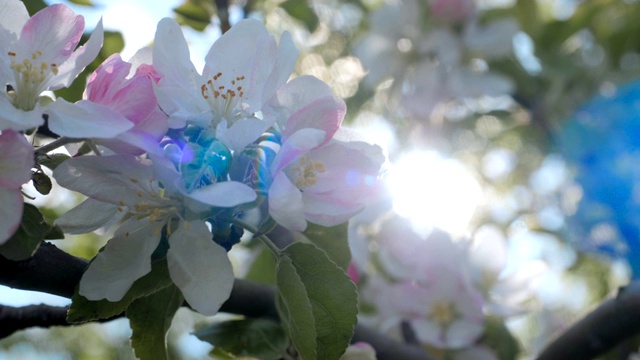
(241, 133)
(285, 204)
(90, 215)
(224, 194)
(85, 119)
(294, 95)
(13, 15)
(171, 54)
(12, 118)
(199, 267)
(117, 179)
(125, 258)
(79, 59)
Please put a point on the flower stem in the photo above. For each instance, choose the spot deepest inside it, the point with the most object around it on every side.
(264, 238)
(55, 144)
(274, 249)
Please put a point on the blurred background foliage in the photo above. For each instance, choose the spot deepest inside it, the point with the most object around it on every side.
(516, 147)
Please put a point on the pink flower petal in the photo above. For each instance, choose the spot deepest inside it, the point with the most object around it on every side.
(55, 31)
(16, 160)
(10, 212)
(324, 114)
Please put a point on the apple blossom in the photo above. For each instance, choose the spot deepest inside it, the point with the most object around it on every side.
(16, 161)
(243, 70)
(315, 176)
(453, 11)
(430, 65)
(443, 311)
(40, 54)
(130, 98)
(197, 265)
(359, 351)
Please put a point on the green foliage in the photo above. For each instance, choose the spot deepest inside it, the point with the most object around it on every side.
(262, 269)
(301, 10)
(195, 14)
(41, 182)
(500, 339)
(260, 338)
(83, 310)
(51, 160)
(150, 318)
(113, 43)
(82, 2)
(317, 302)
(33, 6)
(32, 231)
(333, 240)
(528, 15)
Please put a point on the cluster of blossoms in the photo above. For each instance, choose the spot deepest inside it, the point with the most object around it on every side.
(181, 156)
(435, 51)
(600, 143)
(442, 288)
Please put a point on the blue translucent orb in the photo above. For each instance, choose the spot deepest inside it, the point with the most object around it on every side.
(601, 142)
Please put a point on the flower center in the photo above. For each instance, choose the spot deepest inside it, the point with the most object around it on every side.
(153, 204)
(31, 75)
(305, 172)
(442, 312)
(223, 99)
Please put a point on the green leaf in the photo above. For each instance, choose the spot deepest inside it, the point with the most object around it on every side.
(194, 14)
(150, 318)
(55, 232)
(528, 16)
(306, 277)
(113, 43)
(83, 310)
(500, 339)
(261, 338)
(301, 10)
(82, 2)
(26, 240)
(263, 268)
(333, 240)
(295, 309)
(41, 182)
(33, 6)
(52, 160)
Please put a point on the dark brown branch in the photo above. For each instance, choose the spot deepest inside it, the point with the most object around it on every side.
(53, 271)
(611, 323)
(19, 318)
(50, 270)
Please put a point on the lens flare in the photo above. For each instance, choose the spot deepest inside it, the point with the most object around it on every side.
(433, 192)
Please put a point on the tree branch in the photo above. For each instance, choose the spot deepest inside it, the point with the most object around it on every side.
(54, 271)
(19, 318)
(611, 323)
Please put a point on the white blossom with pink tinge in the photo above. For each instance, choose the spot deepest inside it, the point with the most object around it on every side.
(16, 161)
(317, 177)
(39, 54)
(132, 98)
(197, 265)
(434, 64)
(243, 70)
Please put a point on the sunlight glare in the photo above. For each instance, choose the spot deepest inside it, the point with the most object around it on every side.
(433, 192)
